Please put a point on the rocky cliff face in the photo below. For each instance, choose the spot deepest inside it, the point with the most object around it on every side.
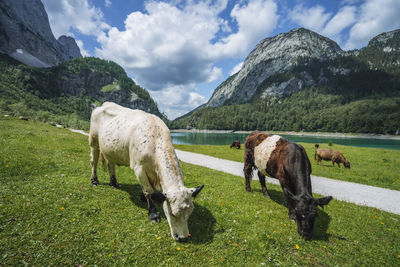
(273, 56)
(69, 47)
(25, 34)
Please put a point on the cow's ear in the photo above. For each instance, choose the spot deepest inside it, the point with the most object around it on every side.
(323, 201)
(195, 191)
(158, 197)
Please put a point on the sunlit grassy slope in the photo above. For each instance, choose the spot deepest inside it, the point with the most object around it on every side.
(370, 166)
(51, 215)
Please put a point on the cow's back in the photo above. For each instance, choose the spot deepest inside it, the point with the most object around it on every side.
(125, 135)
(325, 154)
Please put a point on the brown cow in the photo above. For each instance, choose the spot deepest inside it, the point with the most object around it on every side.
(288, 162)
(236, 144)
(332, 155)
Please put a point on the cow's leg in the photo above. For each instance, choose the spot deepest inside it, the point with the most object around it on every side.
(94, 158)
(261, 177)
(113, 179)
(289, 201)
(248, 171)
(147, 190)
(281, 176)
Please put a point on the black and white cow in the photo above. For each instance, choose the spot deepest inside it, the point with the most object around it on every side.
(142, 141)
(288, 162)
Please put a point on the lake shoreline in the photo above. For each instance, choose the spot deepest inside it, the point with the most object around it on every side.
(311, 134)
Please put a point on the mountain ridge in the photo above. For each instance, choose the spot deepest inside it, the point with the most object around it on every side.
(314, 74)
(25, 35)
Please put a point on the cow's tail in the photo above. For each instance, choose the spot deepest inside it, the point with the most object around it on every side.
(104, 162)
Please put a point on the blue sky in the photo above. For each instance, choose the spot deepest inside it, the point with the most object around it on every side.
(180, 51)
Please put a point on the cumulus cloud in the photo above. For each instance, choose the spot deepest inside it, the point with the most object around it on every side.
(180, 99)
(169, 47)
(107, 3)
(83, 51)
(65, 15)
(376, 16)
(237, 68)
(364, 19)
(345, 17)
(313, 18)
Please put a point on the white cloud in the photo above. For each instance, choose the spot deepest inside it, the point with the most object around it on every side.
(107, 3)
(83, 51)
(237, 68)
(376, 16)
(65, 15)
(343, 19)
(256, 21)
(313, 18)
(170, 46)
(180, 100)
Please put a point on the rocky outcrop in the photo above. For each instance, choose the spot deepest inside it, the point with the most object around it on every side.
(25, 34)
(69, 47)
(273, 56)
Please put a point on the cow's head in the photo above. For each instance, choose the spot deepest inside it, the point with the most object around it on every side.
(178, 207)
(346, 164)
(305, 210)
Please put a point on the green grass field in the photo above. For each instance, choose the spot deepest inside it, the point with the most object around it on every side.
(370, 166)
(51, 215)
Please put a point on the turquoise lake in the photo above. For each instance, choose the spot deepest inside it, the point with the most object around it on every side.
(227, 138)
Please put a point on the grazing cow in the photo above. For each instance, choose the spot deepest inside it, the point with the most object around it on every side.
(236, 144)
(332, 155)
(288, 162)
(142, 141)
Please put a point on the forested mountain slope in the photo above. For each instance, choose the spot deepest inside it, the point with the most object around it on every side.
(310, 85)
(67, 93)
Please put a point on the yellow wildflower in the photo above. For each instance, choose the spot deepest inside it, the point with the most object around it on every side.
(236, 244)
(297, 246)
(158, 238)
(62, 208)
(222, 258)
(178, 248)
(284, 224)
(6, 166)
(324, 246)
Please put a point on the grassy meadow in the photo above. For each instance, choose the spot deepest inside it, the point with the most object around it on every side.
(370, 166)
(51, 215)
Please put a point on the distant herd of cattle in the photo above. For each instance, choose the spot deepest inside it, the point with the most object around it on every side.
(134, 138)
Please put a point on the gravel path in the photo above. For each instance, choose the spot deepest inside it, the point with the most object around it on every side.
(376, 197)
(380, 198)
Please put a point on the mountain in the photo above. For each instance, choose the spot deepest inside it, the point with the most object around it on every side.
(25, 35)
(66, 93)
(273, 56)
(303, 81)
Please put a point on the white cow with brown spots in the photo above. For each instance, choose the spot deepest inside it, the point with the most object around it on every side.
(142, 141)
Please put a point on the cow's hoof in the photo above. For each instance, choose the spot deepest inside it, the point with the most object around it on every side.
(94, 181)
(154, 217)
(143, 198)
(266, 195)
(115, 185)
(248, 190)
